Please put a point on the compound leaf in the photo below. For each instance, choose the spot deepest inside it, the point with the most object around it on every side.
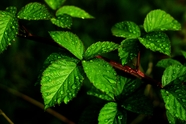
(159, 20)
(100, 48)
(175, 99)
(173, 72)
(74, 12)
(107, 76)
(12, 9)
(126, 50)
(34, 11)
(63, 21)
(8, 29)
(157, 41)
(60, 82)
(164, 63)
(69, 41)
(54, 4)
(98, 93)
(126, 29)
(109, 114)
(138, 103)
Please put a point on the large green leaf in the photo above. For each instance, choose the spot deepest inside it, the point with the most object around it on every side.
(74, 12)
(164, 63)
(157, 41)
(34, 11)
(54, 4)
(173, 120)
(175, 100)
(98, 93)
(109, 114)
(101, 74)
(99, 48)
(63, 21)
(138, 103)
(159, 20)
(128, 50)
(173, 72)
(69, 41)
(126, 29)
(8, 29)
(60, 82)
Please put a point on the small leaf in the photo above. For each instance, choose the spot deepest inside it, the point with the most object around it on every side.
(63, 21)
(98, 93)
(12, 9)
(126, 29)
(8, 29)
(184, 53)
(173, 72)
(69, 41)
(74, 12)
(164, 63)
(107, 76)
(157, 41)
(100, 48)
(34, 11)
(110, 115)
(126, 50)
(60, 82)
(138, 103)
(54, 4)
(175, 100)
(159, 20)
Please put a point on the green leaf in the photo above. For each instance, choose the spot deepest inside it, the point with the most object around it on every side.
(110, 115)
(8, 29)
(12, 9)
(138, 103)
(100, 48)
(128, 50)
(175, 100)
(184, 53)
(159, 20)
(69, 41)
(157, 41)
(74, 12)
(60, 82)
(101, 74)
(126, 29)
(34, 11)
(55, 4)
(98, 93)
(120, 85)
(63, 21)
(173, 120)
(173, 72)
(164, 63)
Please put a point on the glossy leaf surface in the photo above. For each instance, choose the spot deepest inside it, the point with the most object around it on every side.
(164, 63)
(159, 20)
(69, 41)
(8, 29)
(126, 29)
(63, 21)
(60, 82)
(107, 76)
(74, 12)
(100, 48)
(34, 11)
(157, 41)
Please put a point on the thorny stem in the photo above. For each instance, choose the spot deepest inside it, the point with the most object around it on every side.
(36, 103)
(135, 72)
(6, 117)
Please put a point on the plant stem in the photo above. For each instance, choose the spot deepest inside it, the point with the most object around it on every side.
(36, 103)
(6, 117)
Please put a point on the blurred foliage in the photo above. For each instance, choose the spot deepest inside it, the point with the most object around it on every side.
(21, 62)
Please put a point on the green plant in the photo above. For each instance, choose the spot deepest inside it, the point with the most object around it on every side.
(65, 72)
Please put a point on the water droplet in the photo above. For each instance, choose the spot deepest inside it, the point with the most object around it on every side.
(61, 92)
(73, 86)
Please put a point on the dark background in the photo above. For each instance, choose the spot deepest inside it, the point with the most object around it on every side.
(21, 62)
